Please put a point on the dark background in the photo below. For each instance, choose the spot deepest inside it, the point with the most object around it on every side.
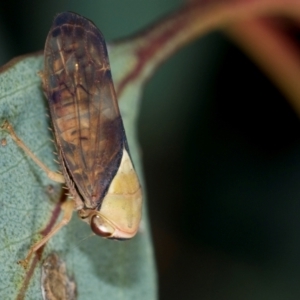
(221, 153)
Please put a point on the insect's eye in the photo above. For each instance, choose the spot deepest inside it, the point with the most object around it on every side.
(101, 227)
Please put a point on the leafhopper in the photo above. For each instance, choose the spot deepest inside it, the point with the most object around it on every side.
(89, 132)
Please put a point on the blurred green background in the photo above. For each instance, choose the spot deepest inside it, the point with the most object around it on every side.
(221, 153)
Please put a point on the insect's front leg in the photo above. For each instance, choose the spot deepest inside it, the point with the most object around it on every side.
(52, 175)
(67, 208)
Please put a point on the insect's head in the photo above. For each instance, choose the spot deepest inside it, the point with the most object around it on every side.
(109, 229)
(119, 215)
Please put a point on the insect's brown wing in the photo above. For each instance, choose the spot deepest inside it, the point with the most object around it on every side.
(84, 110)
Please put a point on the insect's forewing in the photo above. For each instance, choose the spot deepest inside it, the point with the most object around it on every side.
(84, 110)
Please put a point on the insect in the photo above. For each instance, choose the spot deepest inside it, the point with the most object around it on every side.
(89, 132)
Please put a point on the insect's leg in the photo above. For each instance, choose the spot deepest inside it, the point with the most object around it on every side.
(67, 208)
(52, 175)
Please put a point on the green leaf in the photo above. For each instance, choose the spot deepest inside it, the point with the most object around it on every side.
(101, 269)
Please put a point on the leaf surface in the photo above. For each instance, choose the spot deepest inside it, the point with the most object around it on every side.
(101, 269)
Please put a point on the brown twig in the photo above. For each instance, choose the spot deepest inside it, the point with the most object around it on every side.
(276, 54)
(268, 47)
